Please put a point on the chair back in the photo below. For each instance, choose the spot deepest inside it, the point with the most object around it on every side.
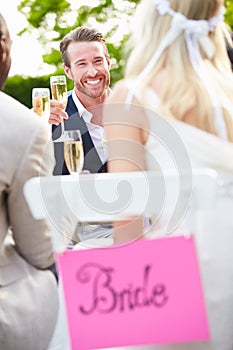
(126, 284)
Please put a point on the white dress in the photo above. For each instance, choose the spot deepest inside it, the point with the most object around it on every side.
(213, 228)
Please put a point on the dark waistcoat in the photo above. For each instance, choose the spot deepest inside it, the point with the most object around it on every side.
(92, 160)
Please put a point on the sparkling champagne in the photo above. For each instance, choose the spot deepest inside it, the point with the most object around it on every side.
(41, 106)
(59, 92)
(74, 157)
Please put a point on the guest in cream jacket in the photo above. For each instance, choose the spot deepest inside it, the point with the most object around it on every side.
(28, 289)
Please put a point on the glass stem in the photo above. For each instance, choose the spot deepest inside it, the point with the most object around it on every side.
(62, 127)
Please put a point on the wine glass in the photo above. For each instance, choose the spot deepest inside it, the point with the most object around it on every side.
(73, 151)
(41, 102)
(59, 93)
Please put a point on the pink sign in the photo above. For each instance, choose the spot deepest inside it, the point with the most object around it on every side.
(146, 292)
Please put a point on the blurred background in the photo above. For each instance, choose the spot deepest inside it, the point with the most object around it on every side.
(37, 26)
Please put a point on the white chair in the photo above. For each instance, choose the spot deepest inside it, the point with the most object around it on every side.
(113, 196)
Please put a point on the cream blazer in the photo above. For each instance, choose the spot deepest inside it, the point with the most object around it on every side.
(28, 291)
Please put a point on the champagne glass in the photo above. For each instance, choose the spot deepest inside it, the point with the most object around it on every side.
(73, 151)
(41, 102)
(59, 93)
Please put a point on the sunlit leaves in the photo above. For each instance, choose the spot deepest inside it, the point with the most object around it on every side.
(55, 18)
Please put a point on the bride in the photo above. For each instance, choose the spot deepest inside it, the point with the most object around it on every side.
(179, 72)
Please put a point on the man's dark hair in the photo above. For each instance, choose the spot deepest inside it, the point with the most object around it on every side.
(81, 34)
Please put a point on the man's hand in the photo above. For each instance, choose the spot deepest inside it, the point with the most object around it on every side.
(57, 112)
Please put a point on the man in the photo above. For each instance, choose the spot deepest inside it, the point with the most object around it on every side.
(86, 62)
(29, 297)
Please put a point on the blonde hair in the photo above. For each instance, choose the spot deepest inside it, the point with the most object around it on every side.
(183, 91)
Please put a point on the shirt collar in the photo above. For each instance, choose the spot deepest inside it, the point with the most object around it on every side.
(83, 112)
(78, 104)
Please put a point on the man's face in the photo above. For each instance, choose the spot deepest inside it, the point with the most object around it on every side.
(89, 69)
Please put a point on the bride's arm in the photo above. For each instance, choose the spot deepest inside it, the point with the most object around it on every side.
(125, 136)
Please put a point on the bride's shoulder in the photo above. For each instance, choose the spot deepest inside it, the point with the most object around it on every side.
(120, 91)
(127, 91)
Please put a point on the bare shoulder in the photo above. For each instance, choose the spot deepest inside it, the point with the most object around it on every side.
(119, 92)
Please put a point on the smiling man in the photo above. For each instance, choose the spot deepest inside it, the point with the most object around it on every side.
(86, 61)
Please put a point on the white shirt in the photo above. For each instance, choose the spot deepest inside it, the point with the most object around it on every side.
(96, 131)
(85, 231)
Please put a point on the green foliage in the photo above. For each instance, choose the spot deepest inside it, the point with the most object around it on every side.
(118, 58)
(51, 19)
(21, 88)
(53, 58)
(229, 13)
(36, 11)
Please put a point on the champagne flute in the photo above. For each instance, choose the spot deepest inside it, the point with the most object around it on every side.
(41, 102)
(59, 93)
(73, 151)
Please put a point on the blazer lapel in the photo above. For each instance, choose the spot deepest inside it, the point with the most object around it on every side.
(92, 161)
